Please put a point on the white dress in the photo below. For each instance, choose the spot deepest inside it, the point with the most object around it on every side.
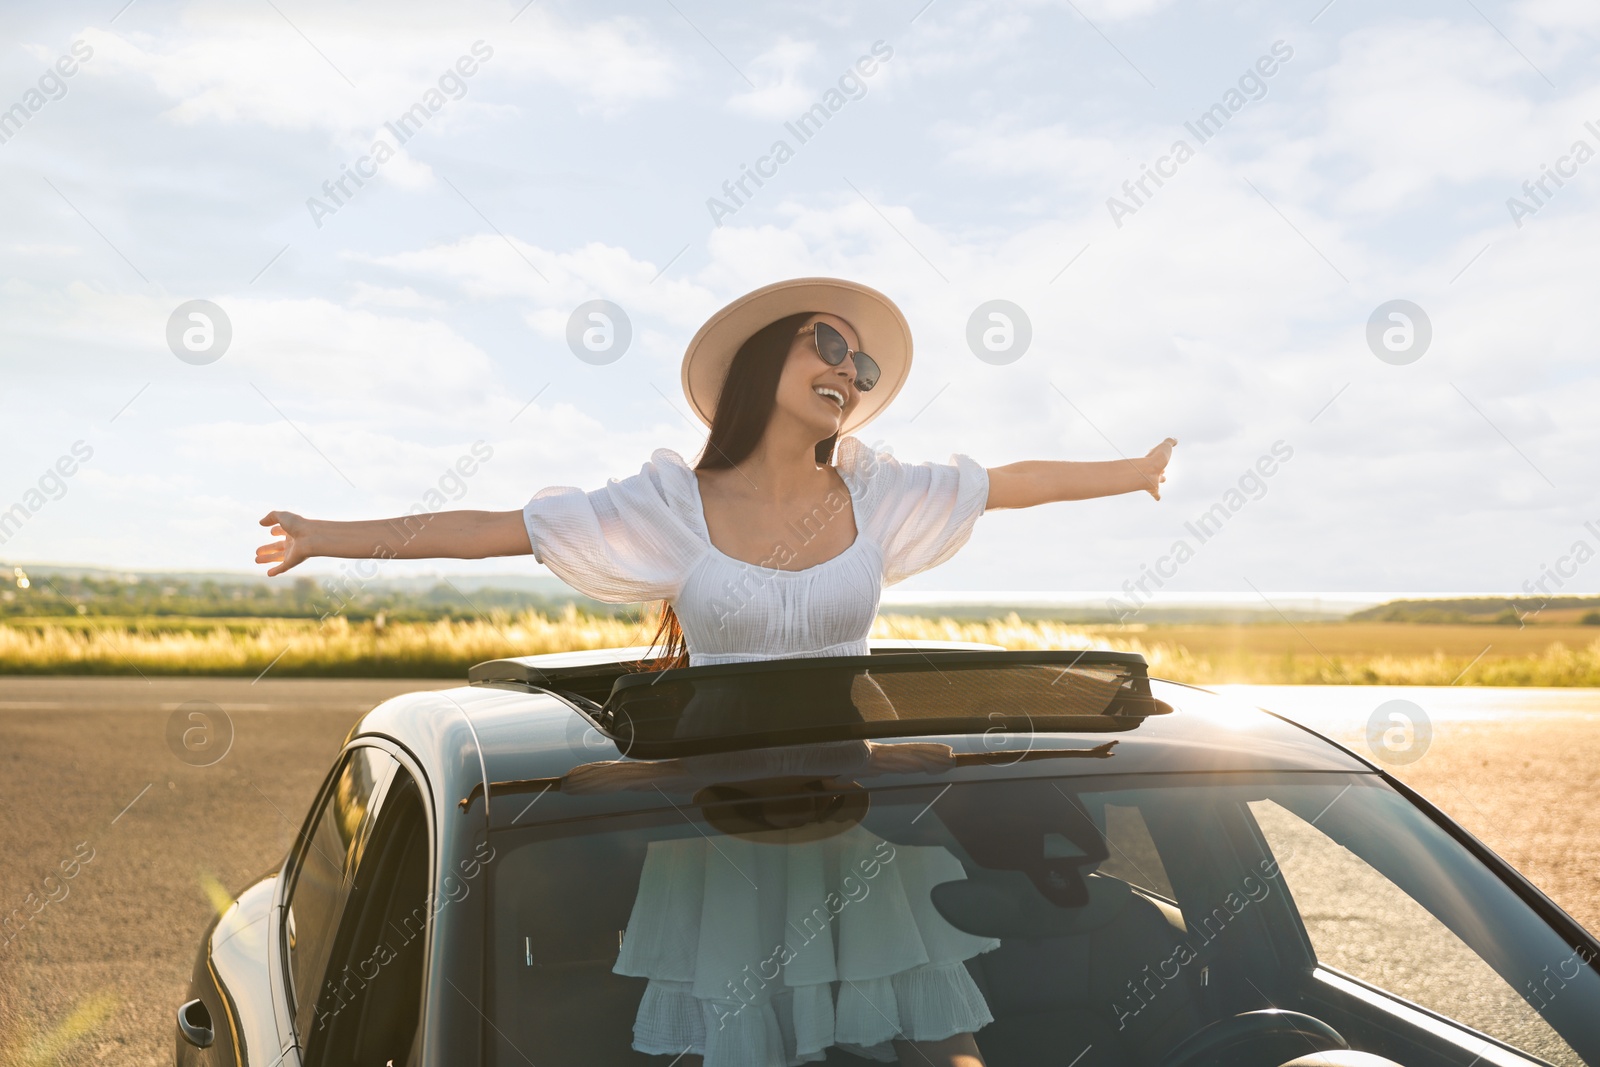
(761, 956)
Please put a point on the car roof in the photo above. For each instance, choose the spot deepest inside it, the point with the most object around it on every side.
(502, 731)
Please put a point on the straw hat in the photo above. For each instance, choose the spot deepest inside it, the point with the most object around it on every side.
(881, 330)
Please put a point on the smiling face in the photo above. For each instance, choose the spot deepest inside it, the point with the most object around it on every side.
(805, 375)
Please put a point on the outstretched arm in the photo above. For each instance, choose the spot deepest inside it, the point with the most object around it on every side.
(435, 535)
(1040, 481)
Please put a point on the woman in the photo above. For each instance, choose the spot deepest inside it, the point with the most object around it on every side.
(776, 543)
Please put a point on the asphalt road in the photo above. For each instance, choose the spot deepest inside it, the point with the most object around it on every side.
(86, 770)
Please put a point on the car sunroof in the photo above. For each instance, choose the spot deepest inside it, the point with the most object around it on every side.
(727, 707)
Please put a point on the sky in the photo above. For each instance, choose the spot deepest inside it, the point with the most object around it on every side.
(1359, 290)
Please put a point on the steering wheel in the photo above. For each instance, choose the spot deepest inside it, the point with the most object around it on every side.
(1276, 1033)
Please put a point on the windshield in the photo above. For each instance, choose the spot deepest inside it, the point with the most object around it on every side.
(1108, 917)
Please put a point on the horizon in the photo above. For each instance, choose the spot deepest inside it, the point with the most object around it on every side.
(892, 595)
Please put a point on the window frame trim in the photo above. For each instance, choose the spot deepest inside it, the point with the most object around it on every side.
(289, 874)
(296, 862)
(1424, 1018)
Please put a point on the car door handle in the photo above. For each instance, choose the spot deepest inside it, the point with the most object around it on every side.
(194, 1023)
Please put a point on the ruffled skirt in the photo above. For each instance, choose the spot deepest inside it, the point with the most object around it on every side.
(762, 951)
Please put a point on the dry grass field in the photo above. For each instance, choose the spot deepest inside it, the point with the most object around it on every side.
(1265, 653)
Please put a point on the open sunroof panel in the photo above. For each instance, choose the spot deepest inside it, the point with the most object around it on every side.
(728, 707)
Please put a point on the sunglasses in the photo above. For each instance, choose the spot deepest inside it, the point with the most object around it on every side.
(832, 348)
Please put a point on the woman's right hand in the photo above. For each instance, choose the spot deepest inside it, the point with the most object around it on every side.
(295, 545)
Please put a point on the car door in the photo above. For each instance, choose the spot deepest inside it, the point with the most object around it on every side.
(370, 1005)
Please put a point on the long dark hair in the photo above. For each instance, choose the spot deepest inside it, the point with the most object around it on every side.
(744, 407)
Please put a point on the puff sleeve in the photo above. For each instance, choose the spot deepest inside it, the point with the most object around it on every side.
(626, 542)
(919, 514)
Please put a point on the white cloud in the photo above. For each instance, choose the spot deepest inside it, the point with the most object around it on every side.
(309, 352)
(1412, 105)
(1116, 10)
(51, 250)
(325, 69)
(780, 92)
(486, 267)
(367, 294)
(1060, 151)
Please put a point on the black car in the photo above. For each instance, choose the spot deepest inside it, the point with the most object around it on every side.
(1161, 876)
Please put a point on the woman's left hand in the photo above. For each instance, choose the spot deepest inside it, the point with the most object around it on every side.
(1155, 466)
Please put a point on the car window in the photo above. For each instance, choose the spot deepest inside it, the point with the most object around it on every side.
(370, 1004)
(1363, 924)
(328, 858)
(1133, 855)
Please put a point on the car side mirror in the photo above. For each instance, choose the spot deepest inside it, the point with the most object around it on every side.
(194, 1024)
